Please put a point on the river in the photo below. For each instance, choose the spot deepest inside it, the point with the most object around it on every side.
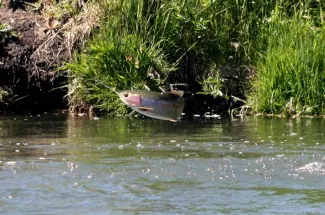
(52, 164)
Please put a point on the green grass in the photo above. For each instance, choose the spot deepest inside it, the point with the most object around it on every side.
(290, 76)
(147, 44)
(123, 55)
(181, 40)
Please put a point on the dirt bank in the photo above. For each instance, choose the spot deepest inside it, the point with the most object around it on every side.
(29, 54)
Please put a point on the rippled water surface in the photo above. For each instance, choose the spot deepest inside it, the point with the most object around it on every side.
(53, 165)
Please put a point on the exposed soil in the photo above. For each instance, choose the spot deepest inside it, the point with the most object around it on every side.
(27, 67)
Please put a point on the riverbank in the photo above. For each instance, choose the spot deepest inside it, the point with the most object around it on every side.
(28, 61)
(228, 56)
(37, 38)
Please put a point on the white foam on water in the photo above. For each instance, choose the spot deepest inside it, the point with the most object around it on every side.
(313, 168)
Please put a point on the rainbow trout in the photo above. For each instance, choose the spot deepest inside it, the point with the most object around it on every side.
(165, 106)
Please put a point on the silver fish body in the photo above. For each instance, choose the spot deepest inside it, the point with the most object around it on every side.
(165, 105)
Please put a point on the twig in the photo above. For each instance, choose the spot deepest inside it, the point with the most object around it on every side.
(238, 99)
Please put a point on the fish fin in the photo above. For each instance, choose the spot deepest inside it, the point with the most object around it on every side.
(177, 93)
(145, 108)
(172, 120)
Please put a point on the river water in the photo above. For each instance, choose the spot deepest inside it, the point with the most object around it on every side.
(52, 164)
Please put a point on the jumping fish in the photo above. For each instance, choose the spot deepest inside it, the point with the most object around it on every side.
(165, 105)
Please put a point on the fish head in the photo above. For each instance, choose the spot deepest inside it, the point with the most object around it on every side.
(130, 98)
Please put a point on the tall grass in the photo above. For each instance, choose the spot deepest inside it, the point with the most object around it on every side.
(141, 42)
(291, 74)
(125, 54)
(150, 43)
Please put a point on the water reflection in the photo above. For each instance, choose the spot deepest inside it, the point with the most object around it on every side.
(135, 166)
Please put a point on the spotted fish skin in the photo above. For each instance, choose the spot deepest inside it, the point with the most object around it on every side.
(164, 106)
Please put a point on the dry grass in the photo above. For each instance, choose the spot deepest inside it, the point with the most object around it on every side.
(62, 39)
(79, 29)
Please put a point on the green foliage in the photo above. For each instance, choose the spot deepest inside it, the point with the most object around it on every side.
(68, 8)
(171, 33)
(291, 76)
(211, 83)
(202, 33)
(141, 42)
(6, 33)
(123, 55)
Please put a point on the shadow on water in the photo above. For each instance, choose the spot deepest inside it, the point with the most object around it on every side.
(149, 166)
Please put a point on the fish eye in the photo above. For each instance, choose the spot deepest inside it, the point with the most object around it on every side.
(125, 94)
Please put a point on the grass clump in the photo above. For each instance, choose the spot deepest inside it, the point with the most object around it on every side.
(291, 74)
(123, 55)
